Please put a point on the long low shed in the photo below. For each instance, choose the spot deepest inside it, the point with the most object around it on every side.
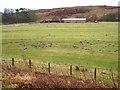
(74, 20)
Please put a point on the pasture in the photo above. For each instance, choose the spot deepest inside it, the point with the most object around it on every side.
(85, 44)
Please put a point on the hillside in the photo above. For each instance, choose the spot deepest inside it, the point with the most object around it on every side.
(78, 11)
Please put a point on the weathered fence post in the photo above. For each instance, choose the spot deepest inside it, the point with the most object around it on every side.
(70, 70)
(113, 78)
(95, 74)
(49, 67)
(13, 62)
(30, 64)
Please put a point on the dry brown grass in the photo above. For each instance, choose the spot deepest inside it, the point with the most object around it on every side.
(20, 78)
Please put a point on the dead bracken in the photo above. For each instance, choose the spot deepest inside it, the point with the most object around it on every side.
(21, 78)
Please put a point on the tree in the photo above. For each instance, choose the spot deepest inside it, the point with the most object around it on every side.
(110, 17)
(21, 15)
(7, 15)
(8, 11)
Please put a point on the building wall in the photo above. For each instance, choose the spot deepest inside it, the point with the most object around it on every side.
(74, 21)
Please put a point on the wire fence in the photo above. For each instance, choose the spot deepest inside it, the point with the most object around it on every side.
(92, 73)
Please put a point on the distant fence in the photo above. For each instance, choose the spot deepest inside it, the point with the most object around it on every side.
(99, 74)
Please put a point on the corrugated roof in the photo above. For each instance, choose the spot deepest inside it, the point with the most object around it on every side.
(74, 19)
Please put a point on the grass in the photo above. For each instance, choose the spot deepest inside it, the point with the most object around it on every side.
(86, 44)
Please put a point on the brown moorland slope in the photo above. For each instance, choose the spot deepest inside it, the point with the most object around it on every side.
(78, 11)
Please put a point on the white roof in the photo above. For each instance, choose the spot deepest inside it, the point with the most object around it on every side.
(74, 19)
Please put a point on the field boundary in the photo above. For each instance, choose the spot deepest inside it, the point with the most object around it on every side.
(96, 74)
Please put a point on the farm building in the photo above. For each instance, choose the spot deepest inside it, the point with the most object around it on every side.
(74, 20)
(53, 21)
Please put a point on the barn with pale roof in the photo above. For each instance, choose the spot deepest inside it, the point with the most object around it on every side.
(74, 20)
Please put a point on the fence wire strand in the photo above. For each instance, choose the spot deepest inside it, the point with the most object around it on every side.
(85, 73)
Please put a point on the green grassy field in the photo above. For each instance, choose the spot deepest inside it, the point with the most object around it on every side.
(86, 44)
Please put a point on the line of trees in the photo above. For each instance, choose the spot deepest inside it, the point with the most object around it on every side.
(110, 17)
(106, 17)
(21, 15)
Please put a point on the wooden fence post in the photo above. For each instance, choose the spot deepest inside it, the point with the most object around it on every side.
(30, 64)
(95, 74)
(49, 68)
(13, 62)
(113, 79)
(70, 70)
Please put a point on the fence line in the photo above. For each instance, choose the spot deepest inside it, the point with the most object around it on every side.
(74, 71)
